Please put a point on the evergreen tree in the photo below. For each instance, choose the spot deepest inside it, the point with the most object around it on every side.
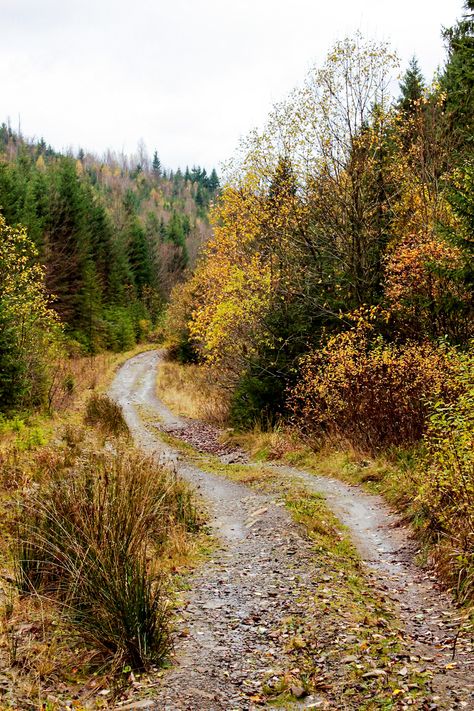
(139, 257)
(461, 199)
(67, 252)
(214, 181)
(108, 236)
(156, 166)
(411, 86)
(458, 79)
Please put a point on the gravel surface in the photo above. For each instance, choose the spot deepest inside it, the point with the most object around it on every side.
(230, 639)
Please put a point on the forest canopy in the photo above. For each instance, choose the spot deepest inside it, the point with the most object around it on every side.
(104, 241)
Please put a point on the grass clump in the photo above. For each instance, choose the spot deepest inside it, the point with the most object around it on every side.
(105, 414)
(91, 540)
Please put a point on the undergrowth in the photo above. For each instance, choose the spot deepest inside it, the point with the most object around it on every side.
(92, 546)
(106, 415)
(89, 539)
(191, 391)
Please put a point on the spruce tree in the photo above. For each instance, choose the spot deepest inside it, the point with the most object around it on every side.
(213, 181)
(156, 166)
(457, 81)
(411, 86)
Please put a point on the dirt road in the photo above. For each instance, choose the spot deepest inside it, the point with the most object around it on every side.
(265, 567)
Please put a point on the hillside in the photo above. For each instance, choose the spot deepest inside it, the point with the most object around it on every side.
(112, 238)
(106, 230)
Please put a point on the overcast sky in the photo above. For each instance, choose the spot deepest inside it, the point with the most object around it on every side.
(189, 77)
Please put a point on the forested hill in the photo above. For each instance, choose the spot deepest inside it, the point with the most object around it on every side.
(114, 235)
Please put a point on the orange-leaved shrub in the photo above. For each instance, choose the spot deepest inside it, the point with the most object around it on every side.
(369, 393)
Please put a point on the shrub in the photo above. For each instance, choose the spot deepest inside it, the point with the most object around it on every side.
(88, 540)
(447, 476)
(256, 400)
(180, 345)
(370, 393)
(107, 415)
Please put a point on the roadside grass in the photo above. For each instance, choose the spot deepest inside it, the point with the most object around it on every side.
(106, 415)
(94, 548)
(90, 539)
(190, 391)
(81, 376)
(254, 474)
(393, 474)
(346, 643)
(347, 640)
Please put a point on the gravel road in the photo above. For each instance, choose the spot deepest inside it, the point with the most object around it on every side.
(229, 643)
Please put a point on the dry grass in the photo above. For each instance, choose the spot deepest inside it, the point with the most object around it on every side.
(72, 376)
(75, 377)
(192, 391)
(51, 474)
(100, 541)
(88, 540)
(265, 444)
(105, 414)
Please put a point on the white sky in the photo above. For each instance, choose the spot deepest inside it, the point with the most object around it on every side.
(189, 77)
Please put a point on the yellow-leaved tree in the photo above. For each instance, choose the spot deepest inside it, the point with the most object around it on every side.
(233, 282)
(30, 331)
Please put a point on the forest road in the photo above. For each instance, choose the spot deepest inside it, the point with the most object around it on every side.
(229, 640)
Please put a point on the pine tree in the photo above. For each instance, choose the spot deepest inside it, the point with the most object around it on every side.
(214, 181)
(156, 166)
(67, 252)
(139, 257)
(457, 80)
(411, 87)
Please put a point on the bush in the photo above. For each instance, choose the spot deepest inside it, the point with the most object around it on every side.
(447, 489)
(180, 345)
(89, 540)
(107, 415)
(256, 400)
(371, 394)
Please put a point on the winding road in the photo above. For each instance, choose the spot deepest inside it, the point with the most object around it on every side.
(265, 566)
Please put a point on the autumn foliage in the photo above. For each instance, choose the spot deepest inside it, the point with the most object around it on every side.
(30, 332)
(447, 481)
(336, 292)
(370, 394)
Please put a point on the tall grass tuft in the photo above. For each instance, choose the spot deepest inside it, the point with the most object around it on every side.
(90, 540)
(105, 414)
